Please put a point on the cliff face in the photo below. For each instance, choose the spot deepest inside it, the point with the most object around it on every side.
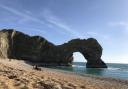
(17, 45)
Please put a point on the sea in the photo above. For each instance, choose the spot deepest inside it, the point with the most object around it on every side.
(114, 70)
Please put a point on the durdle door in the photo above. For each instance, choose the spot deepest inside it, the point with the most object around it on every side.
(90, 49)
(20, 46)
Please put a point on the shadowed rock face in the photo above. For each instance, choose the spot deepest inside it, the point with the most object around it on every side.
(17, 45)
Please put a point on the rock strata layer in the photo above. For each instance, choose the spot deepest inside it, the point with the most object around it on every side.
(17, 45)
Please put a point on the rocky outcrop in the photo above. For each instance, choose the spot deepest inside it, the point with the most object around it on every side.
(17, 45)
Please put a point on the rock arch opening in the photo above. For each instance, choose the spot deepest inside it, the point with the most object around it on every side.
(78, 57)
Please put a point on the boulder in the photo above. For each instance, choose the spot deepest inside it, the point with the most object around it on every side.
(20, 46)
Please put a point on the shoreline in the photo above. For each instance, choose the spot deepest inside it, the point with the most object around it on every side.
(87, 75)
(14, 72)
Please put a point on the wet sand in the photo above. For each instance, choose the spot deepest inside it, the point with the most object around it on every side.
(19, 75)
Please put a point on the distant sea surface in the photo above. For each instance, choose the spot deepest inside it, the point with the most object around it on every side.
(119, 71)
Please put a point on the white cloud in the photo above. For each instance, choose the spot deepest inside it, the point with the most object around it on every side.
(122, 24)
(55, 21)
(51, 21)
(92, 33)
(97, 35)
(14, 11)
(49, 17)
(25, 16)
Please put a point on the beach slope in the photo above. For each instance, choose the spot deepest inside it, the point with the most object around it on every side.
(16, 74)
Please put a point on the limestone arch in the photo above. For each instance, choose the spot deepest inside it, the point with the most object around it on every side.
(89, 48)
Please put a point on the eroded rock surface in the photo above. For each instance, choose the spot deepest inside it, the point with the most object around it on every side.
(17, 45)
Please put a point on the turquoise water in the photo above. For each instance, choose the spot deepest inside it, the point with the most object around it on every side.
(119, 71)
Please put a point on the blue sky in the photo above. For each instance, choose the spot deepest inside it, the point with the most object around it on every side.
(62, 20)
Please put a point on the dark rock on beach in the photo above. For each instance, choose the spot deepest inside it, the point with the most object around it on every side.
(20, 46)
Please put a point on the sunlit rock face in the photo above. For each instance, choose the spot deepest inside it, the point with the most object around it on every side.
(17, 45)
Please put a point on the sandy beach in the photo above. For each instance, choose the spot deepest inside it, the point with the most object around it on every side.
(19, 75)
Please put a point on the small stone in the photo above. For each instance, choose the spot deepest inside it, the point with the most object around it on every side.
(23, 86)
(12, 76)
